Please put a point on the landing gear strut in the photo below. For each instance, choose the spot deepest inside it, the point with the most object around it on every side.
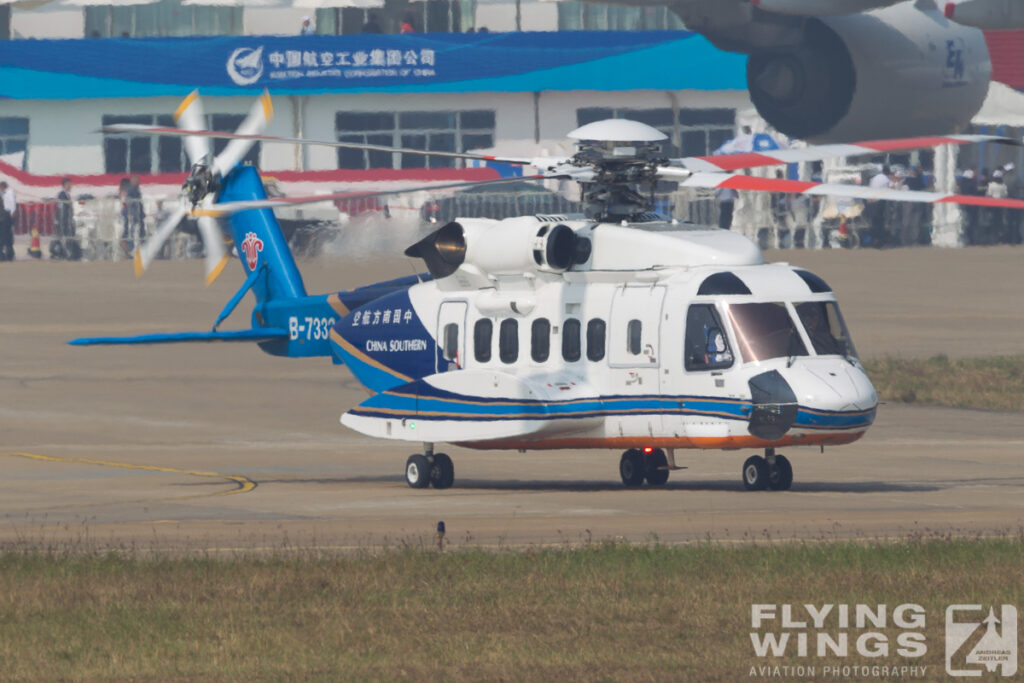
(770, 472)
(636, 465)
(429, 469)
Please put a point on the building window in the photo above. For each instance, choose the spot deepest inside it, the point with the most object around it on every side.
(161, 154)
(508, 341)
(13, 134)
(693, 133)
(571, 350)
(433, 16)
(162, 18)
(586, 16)
(540, 340)
(5, 22)
(443, 131)
(595, 339)
(482, 331)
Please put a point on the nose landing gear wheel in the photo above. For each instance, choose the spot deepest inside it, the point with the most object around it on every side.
(656, 468)
(417, 471)
(631, 467)
(780, 474)
(442, 474)
(755, 473)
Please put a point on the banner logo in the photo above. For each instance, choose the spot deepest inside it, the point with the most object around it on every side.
(245, 65)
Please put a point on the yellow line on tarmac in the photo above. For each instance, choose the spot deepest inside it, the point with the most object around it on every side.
(244, 484)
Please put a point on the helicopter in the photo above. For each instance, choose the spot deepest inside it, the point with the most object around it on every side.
(612, 329)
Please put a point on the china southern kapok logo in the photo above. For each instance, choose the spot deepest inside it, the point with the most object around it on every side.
(252, 246)
(977, 644)
(245, 65)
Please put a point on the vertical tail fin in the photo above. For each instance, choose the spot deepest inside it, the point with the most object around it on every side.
(259, 239)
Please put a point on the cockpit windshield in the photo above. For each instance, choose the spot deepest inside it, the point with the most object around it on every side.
(765, 331)
(825, 328)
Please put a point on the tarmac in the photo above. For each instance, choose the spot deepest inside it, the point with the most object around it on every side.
(220, 448)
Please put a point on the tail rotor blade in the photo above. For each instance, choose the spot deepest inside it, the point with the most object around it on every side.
(260, 115)
(147, 252)
(189, 116)
(213, 241)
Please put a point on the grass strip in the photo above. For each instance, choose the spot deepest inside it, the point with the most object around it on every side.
(604, 612)
(995, 383)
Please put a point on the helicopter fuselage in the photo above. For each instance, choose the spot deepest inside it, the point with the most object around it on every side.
(615, 337)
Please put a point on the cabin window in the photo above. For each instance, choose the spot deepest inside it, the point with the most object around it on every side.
(765, 331)
(508, 341)
(450, 350)
(571, 350)
(540, 340)
(483, 330)
(595, 339)
(706, 345)
(634, 330)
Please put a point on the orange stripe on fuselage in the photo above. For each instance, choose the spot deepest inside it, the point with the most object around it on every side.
(334, 301)
(725, 443)
(362, 357)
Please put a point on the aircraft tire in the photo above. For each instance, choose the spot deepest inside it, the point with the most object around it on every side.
(755, 473)
(442, 473)
(780, 475)
(417, 471)
(656, 468)
(631, 467)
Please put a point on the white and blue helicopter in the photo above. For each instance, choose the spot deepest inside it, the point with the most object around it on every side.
(613, 329)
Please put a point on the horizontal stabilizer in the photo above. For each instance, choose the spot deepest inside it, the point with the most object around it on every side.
(256, 334)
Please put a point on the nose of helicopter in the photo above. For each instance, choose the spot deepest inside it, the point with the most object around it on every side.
(816, 393)
(831, 384)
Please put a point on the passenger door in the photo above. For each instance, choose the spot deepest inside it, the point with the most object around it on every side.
(451, 336)
(634, 357)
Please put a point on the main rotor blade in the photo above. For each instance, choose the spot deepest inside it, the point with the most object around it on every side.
(213, 242)
(138, 129)
(228, 208)
(777, 157)
(261, 113)
(750, 183)
(149, 250)
(189, 116)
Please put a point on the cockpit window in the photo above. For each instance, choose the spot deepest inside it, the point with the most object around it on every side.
(706, 345)
(765, 331)
(825, 328)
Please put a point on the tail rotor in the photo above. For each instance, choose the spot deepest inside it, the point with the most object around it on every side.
(203, 183)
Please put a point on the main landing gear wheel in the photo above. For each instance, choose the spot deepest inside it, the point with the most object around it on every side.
(780, 474)
(631, 467)
(417, 471)
(656, 467)
(442, 474)
(755, 473)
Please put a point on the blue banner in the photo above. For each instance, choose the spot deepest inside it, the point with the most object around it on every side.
(488, 62)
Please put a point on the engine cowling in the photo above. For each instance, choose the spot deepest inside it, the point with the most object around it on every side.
(887, 73)
(509, 247)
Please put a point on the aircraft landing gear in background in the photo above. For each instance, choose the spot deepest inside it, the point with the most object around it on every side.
(431, 469)
(770, 472)
(635, 466)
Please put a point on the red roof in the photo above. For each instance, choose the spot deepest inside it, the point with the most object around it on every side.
(1007, 51)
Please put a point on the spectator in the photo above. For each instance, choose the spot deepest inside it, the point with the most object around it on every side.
(1013, 190)
(407, 24)
(877, 207)
(65, 244)
(968, 186)
(997, 190)
(132, 213)
(307, 27)
(913, 212)
(982, 229)
(726, 198)
(372, 25)
(8, 209)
